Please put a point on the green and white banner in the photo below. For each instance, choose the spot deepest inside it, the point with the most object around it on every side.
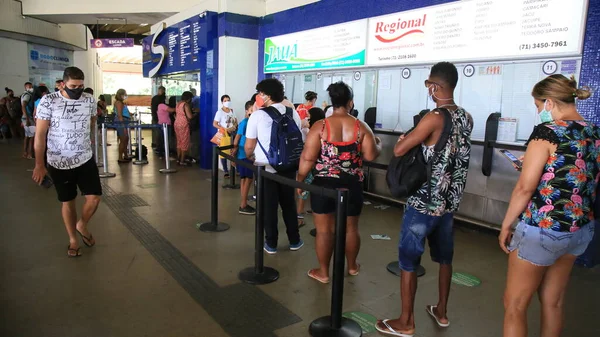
(337, 46)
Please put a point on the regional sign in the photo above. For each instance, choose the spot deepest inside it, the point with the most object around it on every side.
(111, 43)
(478, 30)
(331, 47)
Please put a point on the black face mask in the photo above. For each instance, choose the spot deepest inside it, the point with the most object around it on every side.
(74, 93)
(56, 89)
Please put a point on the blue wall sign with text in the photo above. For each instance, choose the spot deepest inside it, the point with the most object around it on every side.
(185, 43)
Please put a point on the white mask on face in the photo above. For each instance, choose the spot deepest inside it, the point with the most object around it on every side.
(227, 104)
(124, 98)
(29, 90)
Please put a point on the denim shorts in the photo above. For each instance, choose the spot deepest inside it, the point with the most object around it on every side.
(542, 247)
(416, 227)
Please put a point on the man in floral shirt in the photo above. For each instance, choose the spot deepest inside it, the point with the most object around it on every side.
(431, 217)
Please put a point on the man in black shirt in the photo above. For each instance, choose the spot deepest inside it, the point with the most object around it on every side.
(160, 98)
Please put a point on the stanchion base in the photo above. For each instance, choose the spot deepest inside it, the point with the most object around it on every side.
(394, 268)
(210, 227)
(140, 162)
(107, 175)
(167, 171)
(127, 156)
(313, 232)
(231, 187)
(249, 275)
(321, 327)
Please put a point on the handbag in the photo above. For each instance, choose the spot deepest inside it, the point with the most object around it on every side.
(216, 139)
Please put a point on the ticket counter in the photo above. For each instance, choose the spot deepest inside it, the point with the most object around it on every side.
(500, 52)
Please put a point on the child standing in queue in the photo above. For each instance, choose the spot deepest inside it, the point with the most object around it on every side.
(246, 175)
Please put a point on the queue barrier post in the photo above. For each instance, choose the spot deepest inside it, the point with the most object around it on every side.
(140, 160)
(167, 169)
(232, 185)
(259, 274)
(98, 162)
(214, 225)
(129, 143)
(335, 324)
(105, 173)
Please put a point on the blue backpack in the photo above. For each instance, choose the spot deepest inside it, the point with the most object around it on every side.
(286, 141)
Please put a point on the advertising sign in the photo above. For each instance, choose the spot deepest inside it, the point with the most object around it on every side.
(337, 46)
(478, 30)
(111, 43)
(48, 58)
(185, 46)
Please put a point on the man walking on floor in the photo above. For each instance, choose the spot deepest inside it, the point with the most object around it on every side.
(68, 117)
(430, 216)
(260, 132)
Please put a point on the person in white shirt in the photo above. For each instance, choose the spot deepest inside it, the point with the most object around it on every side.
(65, 120)
(225, 120)
(270, 95)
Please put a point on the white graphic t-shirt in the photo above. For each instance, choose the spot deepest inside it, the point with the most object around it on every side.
(69, 141)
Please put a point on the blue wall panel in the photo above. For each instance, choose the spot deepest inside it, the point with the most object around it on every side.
(590, 67)
(237, 25)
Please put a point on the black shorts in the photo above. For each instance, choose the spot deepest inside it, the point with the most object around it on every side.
(324, 205)
(67, 181)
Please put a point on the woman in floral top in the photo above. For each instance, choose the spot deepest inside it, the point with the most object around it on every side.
(335, 149)
(555, 196)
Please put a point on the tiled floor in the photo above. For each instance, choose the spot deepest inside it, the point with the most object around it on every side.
(153, 273)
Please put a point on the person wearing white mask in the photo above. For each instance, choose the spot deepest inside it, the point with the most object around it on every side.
(225, 120)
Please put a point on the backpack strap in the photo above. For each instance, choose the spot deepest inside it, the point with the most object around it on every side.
(275, 116)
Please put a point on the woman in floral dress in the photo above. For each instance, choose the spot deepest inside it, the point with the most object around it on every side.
(554, 197)
(182, 127)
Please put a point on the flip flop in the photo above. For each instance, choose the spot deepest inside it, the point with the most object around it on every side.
(77, 251)
(85, 239)
(389, 331)
(356, 272)
(315, 277)
(429, 309)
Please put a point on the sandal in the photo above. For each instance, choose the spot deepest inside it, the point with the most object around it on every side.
(301, 223)
(387, 330)
(76, 252)
(312, 274)
(85, 239)
(354, 272)
(430, 309)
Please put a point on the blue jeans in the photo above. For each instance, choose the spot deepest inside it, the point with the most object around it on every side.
(542, 247)
(416, 227)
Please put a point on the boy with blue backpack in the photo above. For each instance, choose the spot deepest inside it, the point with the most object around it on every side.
(274, 140)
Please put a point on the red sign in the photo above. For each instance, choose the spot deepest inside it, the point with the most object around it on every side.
(399, 29)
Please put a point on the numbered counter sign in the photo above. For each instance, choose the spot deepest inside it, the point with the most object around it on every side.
(550, 67)
(357, 76)
(469, 70)
(319, 76)
(406, 73)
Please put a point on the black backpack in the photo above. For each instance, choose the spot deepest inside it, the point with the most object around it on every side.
(286, 141)
(407, 174)
(144, 152)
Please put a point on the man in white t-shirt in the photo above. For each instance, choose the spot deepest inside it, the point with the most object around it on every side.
(68, 117)
(225, 119)
(270, 94)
